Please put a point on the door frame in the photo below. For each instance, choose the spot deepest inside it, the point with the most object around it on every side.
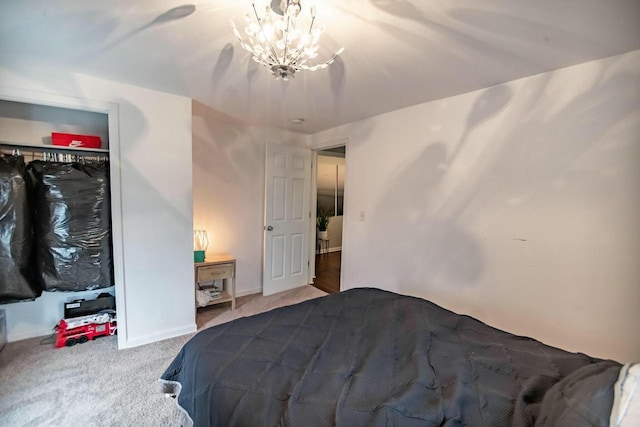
(315, 147)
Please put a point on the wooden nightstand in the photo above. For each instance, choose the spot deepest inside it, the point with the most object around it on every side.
(217, 267)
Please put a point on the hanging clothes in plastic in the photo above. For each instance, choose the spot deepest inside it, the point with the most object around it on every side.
(16, 281)
(72, 225)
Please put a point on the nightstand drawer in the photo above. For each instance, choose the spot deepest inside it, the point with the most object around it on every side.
(214, 272)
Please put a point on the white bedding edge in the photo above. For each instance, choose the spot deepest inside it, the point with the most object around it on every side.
(172, 389)
(626, 401)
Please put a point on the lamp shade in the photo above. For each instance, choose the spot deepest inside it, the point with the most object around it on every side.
(200, 240)
(200, 245)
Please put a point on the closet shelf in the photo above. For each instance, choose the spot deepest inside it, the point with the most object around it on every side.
(56, 148)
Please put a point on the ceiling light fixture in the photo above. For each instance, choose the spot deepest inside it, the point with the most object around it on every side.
(282, 39)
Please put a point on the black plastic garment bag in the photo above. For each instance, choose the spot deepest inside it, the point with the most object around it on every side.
(16, 273)
(72, 226)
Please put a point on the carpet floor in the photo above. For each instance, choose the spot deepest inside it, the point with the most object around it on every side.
(94, 384)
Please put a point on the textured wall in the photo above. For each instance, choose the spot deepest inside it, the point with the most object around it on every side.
(229, 185)
(517, 204)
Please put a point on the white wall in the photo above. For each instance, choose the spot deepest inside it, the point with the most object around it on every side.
(229, 185)
(157, 205)
(334, 233)
(517, 204)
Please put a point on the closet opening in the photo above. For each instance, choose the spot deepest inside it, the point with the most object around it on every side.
(60, 254)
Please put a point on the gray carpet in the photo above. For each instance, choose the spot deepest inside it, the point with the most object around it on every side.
(94, 384)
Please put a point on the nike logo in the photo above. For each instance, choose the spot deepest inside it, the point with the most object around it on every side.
(76, 143)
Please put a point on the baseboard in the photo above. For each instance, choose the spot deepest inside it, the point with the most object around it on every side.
(31, 333)
(159, 336)
(336, 249)
(245, 292)
(252, 291)
(147, 339)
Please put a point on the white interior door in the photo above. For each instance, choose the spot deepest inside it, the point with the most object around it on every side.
(288, 174)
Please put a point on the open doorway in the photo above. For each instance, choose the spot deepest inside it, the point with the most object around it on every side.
(330, 173)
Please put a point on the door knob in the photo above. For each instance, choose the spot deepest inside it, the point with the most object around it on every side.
(269, 228)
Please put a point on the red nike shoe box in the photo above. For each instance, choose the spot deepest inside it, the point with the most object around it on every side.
(76, 141)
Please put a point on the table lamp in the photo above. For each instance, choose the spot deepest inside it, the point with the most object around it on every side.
(200, 244)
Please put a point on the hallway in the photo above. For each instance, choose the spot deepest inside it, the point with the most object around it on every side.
(328, 272)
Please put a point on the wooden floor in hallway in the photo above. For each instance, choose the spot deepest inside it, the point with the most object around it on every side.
(328, 272)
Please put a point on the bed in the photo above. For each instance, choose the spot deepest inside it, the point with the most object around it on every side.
(367, 357)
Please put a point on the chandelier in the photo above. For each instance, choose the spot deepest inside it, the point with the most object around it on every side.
(282, 39)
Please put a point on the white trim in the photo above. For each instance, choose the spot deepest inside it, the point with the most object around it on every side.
(31, 333)
(164, 335)
(245, 292)
(313, 213)
(333, 143)
(117, 227)
(336, 249)
(117, 233)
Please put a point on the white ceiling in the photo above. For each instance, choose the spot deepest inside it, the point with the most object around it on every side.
(398, 52)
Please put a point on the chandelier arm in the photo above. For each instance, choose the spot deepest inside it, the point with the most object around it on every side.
(286, 41)
(242, 42)
(313, 19)
(255, 11)
(295, 60)
(324, 64)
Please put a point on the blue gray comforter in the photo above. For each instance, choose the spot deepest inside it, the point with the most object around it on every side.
(367, 357)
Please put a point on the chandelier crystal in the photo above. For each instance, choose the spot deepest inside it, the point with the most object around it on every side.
(282, 39)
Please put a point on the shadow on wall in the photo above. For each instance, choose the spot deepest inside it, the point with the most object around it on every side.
(425, 247)
(546, 155)
(535, 154)
(228, 150)
(490, 103)
(434, 245)
(228, 187)
(137, 127)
